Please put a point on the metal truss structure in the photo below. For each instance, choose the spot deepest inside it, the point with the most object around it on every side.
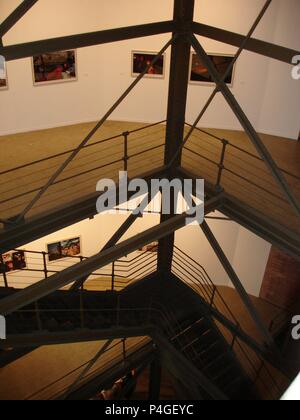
(183, 31)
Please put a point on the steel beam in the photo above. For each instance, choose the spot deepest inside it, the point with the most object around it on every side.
(105, 379)
(246, 124)
(271, 231)
(254, 45)
(15, 52)
(229, 69)
(237, 284)
(71, 274)
(89, 136)
(87, 369)
(50, 222)
(15, 16)
(117, 236)
(178, 88)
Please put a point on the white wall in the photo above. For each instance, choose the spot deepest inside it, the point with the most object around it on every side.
(250, 260)
(104, 71)
(94, 234)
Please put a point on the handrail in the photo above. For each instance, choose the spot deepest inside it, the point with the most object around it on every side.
(61, 392)
(221, 140)
(85, 147)
(120, 273)
(211, 301)
(82, 168)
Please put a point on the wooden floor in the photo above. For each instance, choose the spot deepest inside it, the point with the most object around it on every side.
(245, 177)
(49, 370)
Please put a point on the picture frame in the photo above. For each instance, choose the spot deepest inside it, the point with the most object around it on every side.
(14, 261)
(64, 249)
(53, 68)
(140, 60)
(199, 74)
(3, 74)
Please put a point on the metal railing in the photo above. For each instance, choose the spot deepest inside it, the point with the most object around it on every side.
(101, 158)
(117, 352)
(241, 168)
(153, 313)
(115, 276)
(196, 277)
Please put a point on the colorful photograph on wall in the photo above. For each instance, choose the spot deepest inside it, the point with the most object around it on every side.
(200, 74)
(153, 247)
(64, 249)
(14, 261)
(141, 60)
(3, 74)
(55, 67)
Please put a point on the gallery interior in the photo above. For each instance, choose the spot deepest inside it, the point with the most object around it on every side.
(140, 305)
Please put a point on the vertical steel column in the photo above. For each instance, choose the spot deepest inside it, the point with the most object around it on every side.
(178, 87)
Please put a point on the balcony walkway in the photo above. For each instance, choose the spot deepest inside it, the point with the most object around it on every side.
(39, 154)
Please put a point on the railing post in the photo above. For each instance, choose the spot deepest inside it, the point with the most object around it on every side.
(222, 161)
(3, 271)
(45, 264)
(126, 157)
(213, 297)
(113, 277)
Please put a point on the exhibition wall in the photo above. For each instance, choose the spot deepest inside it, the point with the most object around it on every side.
(247, 252)
(264, 87)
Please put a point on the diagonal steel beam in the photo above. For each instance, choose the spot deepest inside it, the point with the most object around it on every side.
(15, 52)
(93, 132)
(242, 46)
(237, 283)
(117, 236)
(257, 46)
(87, 369)
(246, 124)
(59, 280)
(15, 16)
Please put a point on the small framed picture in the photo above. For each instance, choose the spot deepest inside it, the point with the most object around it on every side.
(200, 75)
(13, 261)
(3, 74)
(64, 249)
(141, 60)
(55, 67)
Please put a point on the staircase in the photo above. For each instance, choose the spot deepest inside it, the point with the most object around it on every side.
(90, 315)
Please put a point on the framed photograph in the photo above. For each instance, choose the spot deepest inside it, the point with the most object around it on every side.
(64, 249)
(3, 74)
(54, 67)
(14, 261)
(199, 73)
(140, 61)
(150, 248)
